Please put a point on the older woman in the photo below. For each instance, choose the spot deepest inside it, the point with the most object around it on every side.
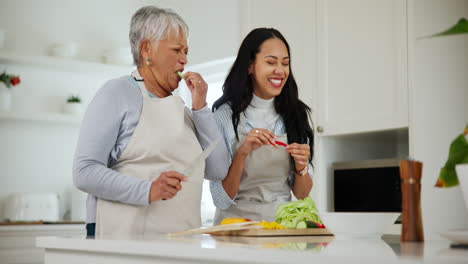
(136, 137)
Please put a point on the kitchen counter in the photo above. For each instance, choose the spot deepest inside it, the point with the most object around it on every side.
(222, 249)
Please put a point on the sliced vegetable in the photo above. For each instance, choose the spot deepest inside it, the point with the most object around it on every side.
(270, 225)
(312, 224)
(281, 143)
(180, 74)
(290, 214)
(301, 225)
(308, 224)
(233, 220)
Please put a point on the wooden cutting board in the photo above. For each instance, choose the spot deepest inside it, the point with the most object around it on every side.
(250, 229)
(275, 232)
(219, 228)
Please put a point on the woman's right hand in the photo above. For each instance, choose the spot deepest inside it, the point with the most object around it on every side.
(256, 138)
(166, 185)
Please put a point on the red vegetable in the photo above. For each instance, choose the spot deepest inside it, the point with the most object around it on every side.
(313, 224)
(281, 143)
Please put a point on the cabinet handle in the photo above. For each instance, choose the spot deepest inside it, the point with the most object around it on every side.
(320, 129)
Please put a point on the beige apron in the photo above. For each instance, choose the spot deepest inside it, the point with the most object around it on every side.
(263, 185)
(163, 140)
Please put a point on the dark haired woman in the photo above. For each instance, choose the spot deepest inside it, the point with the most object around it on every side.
(260, 107)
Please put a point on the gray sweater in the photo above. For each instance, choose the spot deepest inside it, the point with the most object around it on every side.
(108, 125)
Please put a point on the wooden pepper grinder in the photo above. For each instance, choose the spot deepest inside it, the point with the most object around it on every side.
(410, 174)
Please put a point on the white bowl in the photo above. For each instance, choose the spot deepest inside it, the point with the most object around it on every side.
(358, 225)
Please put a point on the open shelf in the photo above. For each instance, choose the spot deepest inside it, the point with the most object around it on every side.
(48, 117)
(61, 64)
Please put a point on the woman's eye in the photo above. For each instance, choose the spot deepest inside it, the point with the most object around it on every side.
(270, 62)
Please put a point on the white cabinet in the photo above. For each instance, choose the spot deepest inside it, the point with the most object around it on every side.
(349, 59)
(362, 66)
(18, 242)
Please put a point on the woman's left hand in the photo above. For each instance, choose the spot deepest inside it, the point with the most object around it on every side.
(300, 154)
(198, 88)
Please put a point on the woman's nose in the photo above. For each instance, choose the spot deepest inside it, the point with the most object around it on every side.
(183, 60)
(279, 70)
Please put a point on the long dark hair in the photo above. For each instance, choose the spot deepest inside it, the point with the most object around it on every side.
(238, 89)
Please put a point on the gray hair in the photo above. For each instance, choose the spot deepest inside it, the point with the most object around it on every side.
(153, 24)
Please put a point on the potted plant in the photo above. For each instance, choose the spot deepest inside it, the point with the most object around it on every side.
(455, 171)
(73, 105)
(6, 82)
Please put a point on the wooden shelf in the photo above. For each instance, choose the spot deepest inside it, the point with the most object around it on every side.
(48, 117)
(62, 64)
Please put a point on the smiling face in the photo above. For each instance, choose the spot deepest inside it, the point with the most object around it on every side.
(168, 57)
(270, 70)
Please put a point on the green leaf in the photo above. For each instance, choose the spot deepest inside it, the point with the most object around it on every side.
(460, 28)
(458, 154)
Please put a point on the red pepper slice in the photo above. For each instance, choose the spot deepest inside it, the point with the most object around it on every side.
(281, 143)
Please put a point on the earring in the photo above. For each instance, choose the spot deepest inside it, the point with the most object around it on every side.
(147, 61)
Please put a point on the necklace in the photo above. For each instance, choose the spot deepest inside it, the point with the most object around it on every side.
(153, 89)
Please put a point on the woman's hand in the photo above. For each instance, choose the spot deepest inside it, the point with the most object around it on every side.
(166, 186)
(256, 138)
(300, 154)
(198, 88)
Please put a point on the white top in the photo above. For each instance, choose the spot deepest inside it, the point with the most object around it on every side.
(262, 113)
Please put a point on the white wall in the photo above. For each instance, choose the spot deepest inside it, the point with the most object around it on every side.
(438, 106)
(297, 23)
(31, 26)
(37, 156)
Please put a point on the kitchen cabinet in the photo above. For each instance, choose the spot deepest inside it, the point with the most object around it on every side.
(362, 72)
(349, 59)
(18, 242)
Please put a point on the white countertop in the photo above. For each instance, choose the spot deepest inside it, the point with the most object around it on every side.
(206, 248)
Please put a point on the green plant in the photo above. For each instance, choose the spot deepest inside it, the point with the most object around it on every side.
(74, 99)
(9, 80)
(461, 27)
(458, 151)
(458, 154)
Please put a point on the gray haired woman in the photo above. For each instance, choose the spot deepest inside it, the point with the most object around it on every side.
(136, 137)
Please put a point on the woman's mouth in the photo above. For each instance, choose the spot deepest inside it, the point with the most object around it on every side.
(275, 82)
